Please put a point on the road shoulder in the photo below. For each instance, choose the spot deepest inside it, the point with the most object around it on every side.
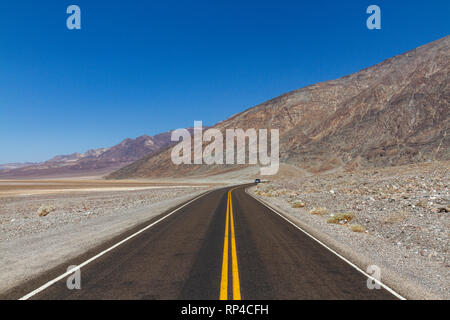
(356, 254)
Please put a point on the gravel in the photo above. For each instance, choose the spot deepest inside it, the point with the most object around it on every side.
(31, 244)
(404, 211)
(22, 215)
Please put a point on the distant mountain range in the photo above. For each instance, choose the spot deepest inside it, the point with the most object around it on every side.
(9, 166)
(93, 162)
(393, 113)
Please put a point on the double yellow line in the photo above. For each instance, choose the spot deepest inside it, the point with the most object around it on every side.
(229, 222)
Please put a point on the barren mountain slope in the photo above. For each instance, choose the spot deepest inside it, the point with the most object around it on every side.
(93, 162)
(393, 113)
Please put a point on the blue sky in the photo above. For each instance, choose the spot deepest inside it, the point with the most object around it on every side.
(144, 67)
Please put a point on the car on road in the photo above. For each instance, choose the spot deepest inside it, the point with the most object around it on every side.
(257, 180)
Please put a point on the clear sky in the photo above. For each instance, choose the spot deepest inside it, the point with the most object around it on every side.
(144, 67)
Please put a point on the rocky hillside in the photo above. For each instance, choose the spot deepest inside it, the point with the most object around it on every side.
(393, 113)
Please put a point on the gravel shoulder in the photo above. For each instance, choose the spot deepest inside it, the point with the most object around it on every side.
(399, 221)
(75, 223)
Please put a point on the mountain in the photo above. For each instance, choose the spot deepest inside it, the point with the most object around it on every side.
(93, 162)
(9, 166)
(90, 154)
(393, 113)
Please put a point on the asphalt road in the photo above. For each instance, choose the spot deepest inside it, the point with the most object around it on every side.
(223, 245)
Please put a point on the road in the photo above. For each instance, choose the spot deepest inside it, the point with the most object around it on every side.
(222, 245)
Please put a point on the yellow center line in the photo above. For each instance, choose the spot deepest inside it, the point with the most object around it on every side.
(224, 281)
(236, 286)
(235, 273)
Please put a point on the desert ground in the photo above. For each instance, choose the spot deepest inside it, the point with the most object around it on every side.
(31, 206)
(396, 218)
(44, 222)
(42, 186)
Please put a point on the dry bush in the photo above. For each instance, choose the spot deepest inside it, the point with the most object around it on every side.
(341, 218)
(421, 204)
(287, 192)
(357, 228)
(45, 210)
(269, 188)
(298, 204)
(319, 211)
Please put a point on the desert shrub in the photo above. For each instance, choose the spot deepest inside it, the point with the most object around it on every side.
(45, 210)
(341, 218)
(298, 204)
(357, 228)
(319, 211)
(421, 204)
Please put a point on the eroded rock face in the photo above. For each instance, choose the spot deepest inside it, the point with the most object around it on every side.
(393, 113)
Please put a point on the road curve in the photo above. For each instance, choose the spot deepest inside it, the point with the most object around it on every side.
(223, 245)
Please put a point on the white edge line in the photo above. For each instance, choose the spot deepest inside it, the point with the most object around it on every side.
(337, 254)
(51, 282)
